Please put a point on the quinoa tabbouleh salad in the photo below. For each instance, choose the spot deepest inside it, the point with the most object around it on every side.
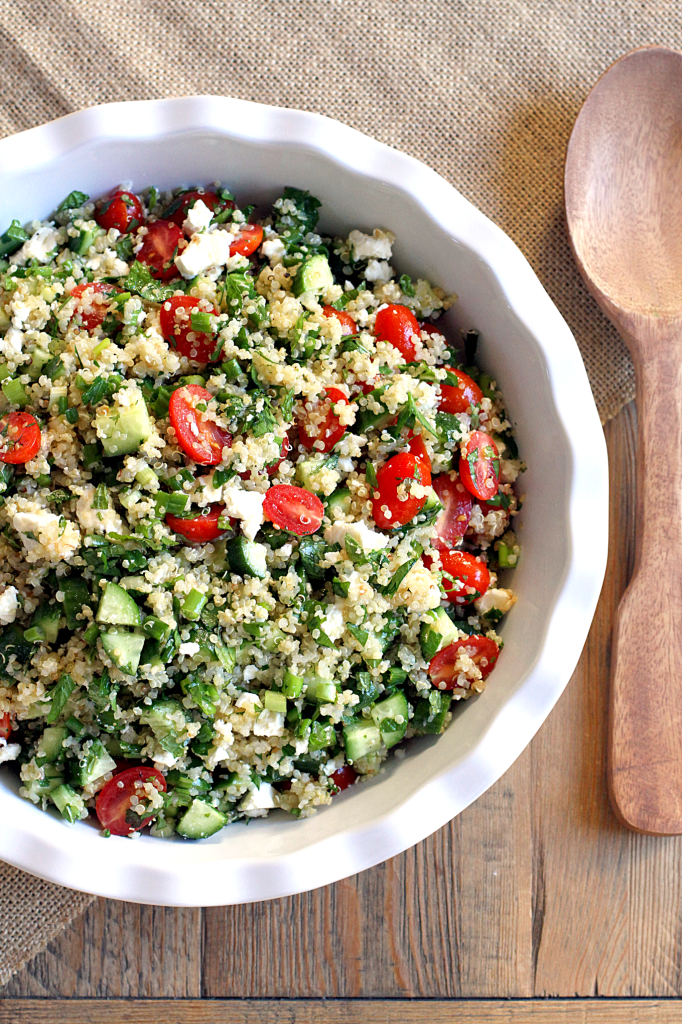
(253, 507)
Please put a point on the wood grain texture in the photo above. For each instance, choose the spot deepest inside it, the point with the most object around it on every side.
(624, 215)
(257, 1011)
(534, 890)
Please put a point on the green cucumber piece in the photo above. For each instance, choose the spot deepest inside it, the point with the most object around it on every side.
(69, 803)
(47, 618)
(50, 745)
(341, 499)
(125, 428)
(361, 739)
(124, 649)
(247, 558)
(321, 691)
(430, 712)
(321, 736)
(117, 608)
(167, 719)
(53, 777)
(76, 594)
(313, 275)
(83, 240)
(96, 763)
(200, 821)
(437, 633)
(385, 715)
(367, 420)
(292, 685)
(308, 472)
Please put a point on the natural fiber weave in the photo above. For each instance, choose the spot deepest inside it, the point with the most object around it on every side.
(484, 91)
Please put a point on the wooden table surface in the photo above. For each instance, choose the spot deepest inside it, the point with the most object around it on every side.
(534, 891)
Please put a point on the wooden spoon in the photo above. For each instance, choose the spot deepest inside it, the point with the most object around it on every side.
(624, 210)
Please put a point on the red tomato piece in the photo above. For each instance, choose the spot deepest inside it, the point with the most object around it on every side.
(348, 324)
(200, 438)
(398, 326)
(322, 424)
(460, 398)
(418, 448)
(284, 451)
(249, 237)
(473, 576)
(479, 466)
(5, 726)
(20, 438)
(395, 506)
(452, 522)
(431, 329)
(182, 204)
(293, 509)
(123, 210)
(176, 327)
(482, 650)
(344, 777)
(113, 800)
(202, 528)
(94, 302)
(159, 249)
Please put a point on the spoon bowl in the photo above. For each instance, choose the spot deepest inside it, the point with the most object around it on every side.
(623, 188)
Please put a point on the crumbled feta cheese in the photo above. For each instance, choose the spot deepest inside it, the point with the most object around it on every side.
(9, 751)
(379, 270)
(257, 800)
(105, 520)
(501, 600)
(189, 649)
(38, 246)
(11, 345)
(334, 623)
(249, 702)
(205, 250)
(244, 505)
(164, 757)
(273, 248)
(209, 494)
(8, 606)
(360, 532)
(270, 723)
(346, 465)
(52, 537)
(198, 218)
(376, 246)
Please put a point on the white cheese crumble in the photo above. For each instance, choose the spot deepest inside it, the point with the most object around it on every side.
(198, 218)
(9, 751)
(38, 246)
(273, 248)
(257, 800)
(334, 623)
(205, 250)
(360, 532)
(376, 246)
(247, 506)
(500, 599)
(189, 649)
(11, 345)
(8, 606)
(379, 270)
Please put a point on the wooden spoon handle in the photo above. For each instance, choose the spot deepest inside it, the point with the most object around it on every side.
(645, 748)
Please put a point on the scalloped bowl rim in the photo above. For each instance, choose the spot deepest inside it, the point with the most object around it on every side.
(203, 874)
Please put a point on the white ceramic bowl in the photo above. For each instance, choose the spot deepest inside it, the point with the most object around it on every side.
(527, 347)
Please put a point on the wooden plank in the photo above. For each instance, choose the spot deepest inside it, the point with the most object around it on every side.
(119, 950)
(565, 1011)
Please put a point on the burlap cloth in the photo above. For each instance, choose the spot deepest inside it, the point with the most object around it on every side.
(485, 91)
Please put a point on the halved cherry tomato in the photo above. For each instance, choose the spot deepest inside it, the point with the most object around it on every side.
(452, 522)
(20, 438)
(398, 326)
(248, 239)
(272, 467)
(113, 800)
(200, 438)
(94, 304)
(479, 466)
(391, 508)
(344, 777)
(481, 649)
(460, 398)
(293, 508)
(5, 726)
(123, 211)
(322, 424)
(431, 329)
(418, 448)
(182, 204)
(159, 249)
(471, 574)
(348, 324)
(176, 327)
(202, 528)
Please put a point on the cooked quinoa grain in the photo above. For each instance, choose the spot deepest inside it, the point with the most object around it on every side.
(253, 510)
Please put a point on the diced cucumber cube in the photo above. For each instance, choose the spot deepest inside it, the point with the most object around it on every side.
(437, 633)
(391, 715)
(313, 275)
(124, 649)
(69, 803)
(361, 739)
(319, 690)
(50, 745)
(430, 713)
(96, 763)
(126, 427)
(200, 821)
(117, 608)
(247, 558)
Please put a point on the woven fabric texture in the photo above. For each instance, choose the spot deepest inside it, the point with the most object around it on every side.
(484, 91)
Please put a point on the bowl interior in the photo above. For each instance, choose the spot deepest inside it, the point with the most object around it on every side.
(351, 197)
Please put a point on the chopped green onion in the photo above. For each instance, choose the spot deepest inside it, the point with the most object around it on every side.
(292, 685)
(227, 656)
(74, 725)
(275, 701)
(176, 502)
(156, 628)
(129, 496)
(14, 391)
(203, 322)
(146, 476)
(98, 349)
(55, 369)
(100, 499)
(34, 635)
(71, 415)
(193, 604)
(5, 372)
(44, 480)
(90, 635)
